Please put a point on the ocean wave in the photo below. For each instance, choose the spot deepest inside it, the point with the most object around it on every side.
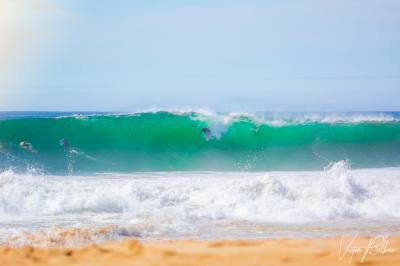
(168, 141)
(336, 193)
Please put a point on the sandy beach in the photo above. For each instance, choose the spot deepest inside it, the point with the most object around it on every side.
(322, 251)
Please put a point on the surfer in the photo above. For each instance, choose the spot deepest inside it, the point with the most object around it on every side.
(26, 146)
(65, 144)
(207, 133)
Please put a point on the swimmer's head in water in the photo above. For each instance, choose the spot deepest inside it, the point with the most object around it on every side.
(26, 145)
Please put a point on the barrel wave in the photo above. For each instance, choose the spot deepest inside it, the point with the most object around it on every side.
(175, 141)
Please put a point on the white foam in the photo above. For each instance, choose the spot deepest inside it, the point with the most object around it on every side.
(219, 122)
(165, 204)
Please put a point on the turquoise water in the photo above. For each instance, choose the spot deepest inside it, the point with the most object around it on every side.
(174, 141)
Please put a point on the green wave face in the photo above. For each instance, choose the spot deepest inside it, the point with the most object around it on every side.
(164, 141)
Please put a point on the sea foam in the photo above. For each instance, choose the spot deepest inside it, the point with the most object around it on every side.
(177, 204)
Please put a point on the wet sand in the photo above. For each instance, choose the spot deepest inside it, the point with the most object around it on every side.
(307, 252)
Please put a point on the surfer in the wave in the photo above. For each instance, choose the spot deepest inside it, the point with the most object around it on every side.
(65, 144)
(27, 146)
(69, 154)
(207, 133)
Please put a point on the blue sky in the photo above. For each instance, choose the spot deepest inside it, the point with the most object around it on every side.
(224, 55)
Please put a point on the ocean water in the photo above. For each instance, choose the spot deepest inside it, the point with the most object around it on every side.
(160, 175)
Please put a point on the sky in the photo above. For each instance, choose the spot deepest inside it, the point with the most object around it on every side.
(270, 55)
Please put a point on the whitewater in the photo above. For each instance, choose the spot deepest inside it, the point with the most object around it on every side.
(153, 175)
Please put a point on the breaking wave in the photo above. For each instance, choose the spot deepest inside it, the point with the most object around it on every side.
(175, 141)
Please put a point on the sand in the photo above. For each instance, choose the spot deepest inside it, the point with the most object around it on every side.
(309, 252)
